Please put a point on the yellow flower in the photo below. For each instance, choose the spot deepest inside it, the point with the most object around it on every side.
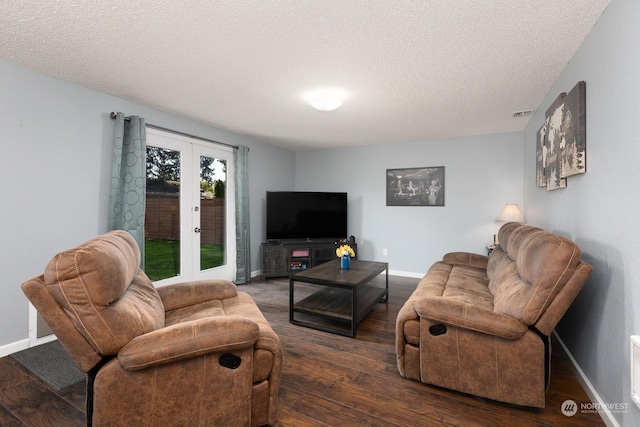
(345, 250)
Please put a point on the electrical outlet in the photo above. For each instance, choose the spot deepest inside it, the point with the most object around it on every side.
(385, 252)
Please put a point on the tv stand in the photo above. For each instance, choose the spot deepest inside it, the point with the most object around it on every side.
(282, 258)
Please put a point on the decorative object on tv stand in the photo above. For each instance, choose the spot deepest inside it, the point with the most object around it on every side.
(561, 147)
(415, 187)
(510, 213)
(345, 252)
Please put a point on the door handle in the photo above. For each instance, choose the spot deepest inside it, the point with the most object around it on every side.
(196, 230)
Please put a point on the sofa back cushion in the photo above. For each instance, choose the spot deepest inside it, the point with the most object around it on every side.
(100, 286)
(528, 270)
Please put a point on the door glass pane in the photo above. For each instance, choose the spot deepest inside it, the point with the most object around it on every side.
(213, 182)
(162, 214)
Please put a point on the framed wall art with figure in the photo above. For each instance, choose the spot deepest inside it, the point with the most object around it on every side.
(416, 186)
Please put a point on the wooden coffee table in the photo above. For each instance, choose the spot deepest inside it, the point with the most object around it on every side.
(344, 296)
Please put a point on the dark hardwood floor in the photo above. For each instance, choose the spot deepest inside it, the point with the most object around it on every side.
(328, 380)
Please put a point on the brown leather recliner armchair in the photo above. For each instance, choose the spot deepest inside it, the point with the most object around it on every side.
(481, 325)
(191, 354)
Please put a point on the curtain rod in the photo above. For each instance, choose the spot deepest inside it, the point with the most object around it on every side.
(113, 117)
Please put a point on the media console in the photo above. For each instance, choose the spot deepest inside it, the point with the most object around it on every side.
(284, 258)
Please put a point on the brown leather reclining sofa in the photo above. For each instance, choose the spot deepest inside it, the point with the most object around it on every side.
(481, 325)
(191, 354)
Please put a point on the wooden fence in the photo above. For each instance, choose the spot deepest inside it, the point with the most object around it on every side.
(162, 218)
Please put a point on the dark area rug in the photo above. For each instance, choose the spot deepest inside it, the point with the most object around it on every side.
(52, 364)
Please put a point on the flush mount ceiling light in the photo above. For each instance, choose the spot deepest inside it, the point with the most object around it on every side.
(325, 103)
(326, 99)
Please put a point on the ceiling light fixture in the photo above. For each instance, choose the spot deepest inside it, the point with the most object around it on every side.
(325, 99)
(325, 103)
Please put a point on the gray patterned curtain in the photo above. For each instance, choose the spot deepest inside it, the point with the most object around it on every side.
(128, 178)
(243, 248)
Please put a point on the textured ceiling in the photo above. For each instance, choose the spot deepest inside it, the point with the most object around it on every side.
(410, 70)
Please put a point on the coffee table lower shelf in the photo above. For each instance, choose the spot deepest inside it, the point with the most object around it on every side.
(337, 304)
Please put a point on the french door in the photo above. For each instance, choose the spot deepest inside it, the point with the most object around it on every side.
(189, 220)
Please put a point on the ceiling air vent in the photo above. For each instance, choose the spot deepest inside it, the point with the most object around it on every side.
(523, 113)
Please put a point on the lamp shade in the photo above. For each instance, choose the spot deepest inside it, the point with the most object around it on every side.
(510, 213)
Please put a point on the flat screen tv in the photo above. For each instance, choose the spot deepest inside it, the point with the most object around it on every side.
(295, 215)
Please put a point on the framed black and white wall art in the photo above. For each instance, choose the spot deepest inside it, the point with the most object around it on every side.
(561, 148)
(423, 186)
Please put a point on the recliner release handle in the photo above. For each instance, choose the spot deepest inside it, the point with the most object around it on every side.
(230, 361)
(438, 329)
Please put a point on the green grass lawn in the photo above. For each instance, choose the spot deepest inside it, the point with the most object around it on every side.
(162, 258)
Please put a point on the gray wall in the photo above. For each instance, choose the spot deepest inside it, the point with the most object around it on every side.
(270, 169)
(599, 210)
(56, 147)
(482, 173)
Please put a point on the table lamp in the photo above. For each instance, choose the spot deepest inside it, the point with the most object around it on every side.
(510, 213)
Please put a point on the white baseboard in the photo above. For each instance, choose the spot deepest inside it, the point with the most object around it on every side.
(17, 346)
(406, 274)
(14, 347)
(605, 413)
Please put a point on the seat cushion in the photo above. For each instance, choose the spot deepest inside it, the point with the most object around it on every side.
(469, 285)
(240, 305)
(101, 288)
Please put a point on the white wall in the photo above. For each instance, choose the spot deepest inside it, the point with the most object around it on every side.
(599, 210)
(482, 173)
(56, 147)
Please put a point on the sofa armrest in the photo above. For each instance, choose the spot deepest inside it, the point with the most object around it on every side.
(185, 294)
(187, 340)
(463, 315)
(467, 259)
